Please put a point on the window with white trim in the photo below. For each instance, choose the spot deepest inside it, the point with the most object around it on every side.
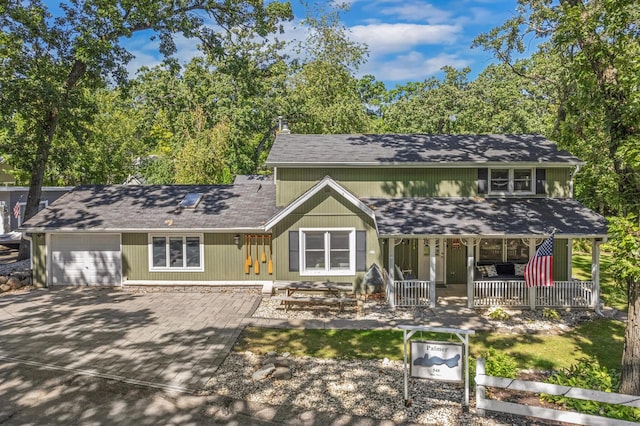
(23, 208)
(176, 253)
(511, 181)
(327, 251)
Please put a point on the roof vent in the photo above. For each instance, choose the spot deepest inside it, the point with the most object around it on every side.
(191, 200)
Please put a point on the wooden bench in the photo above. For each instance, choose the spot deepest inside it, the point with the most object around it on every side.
(287, 300)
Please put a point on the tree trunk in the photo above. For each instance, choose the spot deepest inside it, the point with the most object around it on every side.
(630, 374)
(49, 127)
(37, 175)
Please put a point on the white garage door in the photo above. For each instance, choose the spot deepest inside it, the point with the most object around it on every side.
(86, 259)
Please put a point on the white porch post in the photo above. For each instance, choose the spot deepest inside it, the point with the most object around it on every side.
(532, 290)
(595, 273)
(392, 264)
(470, 266)
(432, 271)
(569, 259)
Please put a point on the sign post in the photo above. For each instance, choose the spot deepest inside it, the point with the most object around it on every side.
(437, 360)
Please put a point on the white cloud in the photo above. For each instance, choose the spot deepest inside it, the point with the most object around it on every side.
(385, 38)
(413, 66)
(417, 11)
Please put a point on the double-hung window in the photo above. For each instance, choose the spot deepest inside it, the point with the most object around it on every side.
(511, 181)
(176, 253)
(327, 251)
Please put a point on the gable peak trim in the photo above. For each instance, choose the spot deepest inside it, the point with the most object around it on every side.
(325, 182)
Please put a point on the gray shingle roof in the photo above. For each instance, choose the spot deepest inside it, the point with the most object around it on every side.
(485, 216)
(154, 207)
(400, 149)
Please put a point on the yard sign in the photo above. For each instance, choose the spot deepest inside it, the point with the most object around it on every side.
(463, 335)
(437, 360)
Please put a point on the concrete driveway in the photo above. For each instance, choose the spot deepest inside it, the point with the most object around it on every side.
(167, 339)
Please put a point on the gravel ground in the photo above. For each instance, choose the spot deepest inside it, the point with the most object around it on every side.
(518, 321)
(375, 387)
(372, 388)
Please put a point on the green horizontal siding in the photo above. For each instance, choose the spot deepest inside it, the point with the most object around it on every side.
(324, 210)
(223, 260)
(380, 182)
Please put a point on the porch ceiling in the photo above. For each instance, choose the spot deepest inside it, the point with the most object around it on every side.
(486, 216)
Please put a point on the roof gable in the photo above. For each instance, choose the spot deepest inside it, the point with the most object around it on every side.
(406, 150)
(326, 182)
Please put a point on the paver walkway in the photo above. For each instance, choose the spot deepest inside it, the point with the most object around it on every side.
(167, 338)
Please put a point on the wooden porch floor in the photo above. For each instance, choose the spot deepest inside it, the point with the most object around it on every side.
(452, 295)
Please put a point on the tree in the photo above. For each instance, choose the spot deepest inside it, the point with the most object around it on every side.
(594, 46)
(324, 95)
(110, 132)
(203, 159)
(497, 101)
(47, 61)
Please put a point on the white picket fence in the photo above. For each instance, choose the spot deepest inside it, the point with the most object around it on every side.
(515, 293)
(482, 403)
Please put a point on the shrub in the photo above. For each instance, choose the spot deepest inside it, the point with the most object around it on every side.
(550, 314)
(499, 364)
(499, 314)
(587, 373)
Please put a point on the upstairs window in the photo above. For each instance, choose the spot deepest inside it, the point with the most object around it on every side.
(511, 181)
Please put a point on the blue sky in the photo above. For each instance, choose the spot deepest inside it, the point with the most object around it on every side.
(408, 40)
(412, 40)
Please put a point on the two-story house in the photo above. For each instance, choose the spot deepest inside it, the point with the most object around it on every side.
(442, 210)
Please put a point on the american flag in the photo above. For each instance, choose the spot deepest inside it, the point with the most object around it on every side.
(538, 272)
(16, 210)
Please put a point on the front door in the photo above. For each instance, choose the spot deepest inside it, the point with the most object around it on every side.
(423, 261)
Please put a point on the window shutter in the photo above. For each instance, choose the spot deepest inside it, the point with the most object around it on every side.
(483, 181)
(541, 181)
(294, 251)
(361, 250)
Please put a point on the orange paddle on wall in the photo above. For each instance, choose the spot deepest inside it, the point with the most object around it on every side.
(247, 261)
(264, 255)
(270, 266)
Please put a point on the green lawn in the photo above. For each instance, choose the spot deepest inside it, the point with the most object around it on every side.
(602, 339)
(613, 294)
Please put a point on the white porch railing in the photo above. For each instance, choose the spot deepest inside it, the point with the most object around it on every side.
(410, 293)
(515, 293)
(570, 294)
(512, 293)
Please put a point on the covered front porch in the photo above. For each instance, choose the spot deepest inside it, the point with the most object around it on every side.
(454, 263)
(434, 244)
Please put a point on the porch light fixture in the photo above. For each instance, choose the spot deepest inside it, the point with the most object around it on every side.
(236, 239)
(456, 243)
